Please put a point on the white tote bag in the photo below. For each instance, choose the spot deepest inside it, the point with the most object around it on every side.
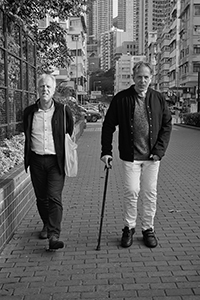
(71, 157)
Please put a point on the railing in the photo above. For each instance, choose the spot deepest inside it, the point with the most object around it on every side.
(17, 74)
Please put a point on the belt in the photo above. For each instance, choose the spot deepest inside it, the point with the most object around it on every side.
(42, 155)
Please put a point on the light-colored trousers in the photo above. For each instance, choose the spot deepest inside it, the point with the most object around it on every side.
(140, 178)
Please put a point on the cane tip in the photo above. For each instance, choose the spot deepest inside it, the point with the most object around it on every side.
(98, 248)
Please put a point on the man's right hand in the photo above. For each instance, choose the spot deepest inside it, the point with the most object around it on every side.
(107, 159)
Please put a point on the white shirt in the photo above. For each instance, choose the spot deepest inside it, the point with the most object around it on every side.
(42, 136)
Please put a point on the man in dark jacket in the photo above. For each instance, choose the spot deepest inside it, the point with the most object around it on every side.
(144, 122)
(44, 154)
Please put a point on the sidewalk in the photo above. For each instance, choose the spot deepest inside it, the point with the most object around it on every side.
(170, 271)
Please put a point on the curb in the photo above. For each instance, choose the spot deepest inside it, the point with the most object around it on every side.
(187, 126)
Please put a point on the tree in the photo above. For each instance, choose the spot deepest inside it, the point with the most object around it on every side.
(104, 79)
(51, 43)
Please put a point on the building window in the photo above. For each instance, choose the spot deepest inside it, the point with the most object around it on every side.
(197, 9)
(75, 37)
(185, 68)
(196, 49)
(196, 67)
(196, 29)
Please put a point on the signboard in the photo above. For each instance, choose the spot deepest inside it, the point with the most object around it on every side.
(82, 93)
(95, 93)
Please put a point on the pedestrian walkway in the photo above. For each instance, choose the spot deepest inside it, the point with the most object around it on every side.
(170, 271)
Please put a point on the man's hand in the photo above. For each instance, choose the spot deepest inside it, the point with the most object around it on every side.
(107, 159)
(154, 157)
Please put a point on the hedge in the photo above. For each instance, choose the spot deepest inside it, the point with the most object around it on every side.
(192, 119)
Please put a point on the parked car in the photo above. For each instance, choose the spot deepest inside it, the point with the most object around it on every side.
(90, 107)
(82, 109)
(92, 115)
(174, 108)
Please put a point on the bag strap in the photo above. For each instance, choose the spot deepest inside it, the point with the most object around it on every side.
(73, 134)
(64, 118)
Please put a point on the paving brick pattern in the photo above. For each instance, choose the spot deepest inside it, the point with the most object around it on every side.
(171, 271)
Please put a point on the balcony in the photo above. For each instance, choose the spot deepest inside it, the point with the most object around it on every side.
(184, 5)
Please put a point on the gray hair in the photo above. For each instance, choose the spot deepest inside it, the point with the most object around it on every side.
(140, 64)
(43, 76)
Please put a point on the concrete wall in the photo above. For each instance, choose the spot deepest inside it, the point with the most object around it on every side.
(17, 197)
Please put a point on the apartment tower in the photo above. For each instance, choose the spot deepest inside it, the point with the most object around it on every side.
(100, 17)
(139, 17)
(99, 21)
(127, 17)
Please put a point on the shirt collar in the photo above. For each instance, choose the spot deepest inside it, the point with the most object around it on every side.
(50, 108)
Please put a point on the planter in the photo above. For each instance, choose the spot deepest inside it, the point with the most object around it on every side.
(17, 196)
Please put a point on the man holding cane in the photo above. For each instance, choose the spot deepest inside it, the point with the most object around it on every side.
(144, 122)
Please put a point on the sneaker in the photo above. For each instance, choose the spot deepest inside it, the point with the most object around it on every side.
(55, 244)
(127, 237)
(43, 233)
(149, 238)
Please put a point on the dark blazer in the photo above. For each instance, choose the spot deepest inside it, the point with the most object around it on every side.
(57, 129)
(121, 113)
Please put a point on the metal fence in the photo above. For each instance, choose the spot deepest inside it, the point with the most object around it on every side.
(17, 74)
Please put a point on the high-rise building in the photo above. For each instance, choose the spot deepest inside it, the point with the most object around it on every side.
(99, 24)
(114, 43)
(99, 19)
(152, 16)
(139, 17)
(102, 17)
(106, 50)
(178, 55)
(189, 60)
(121, 18)
(127, 17)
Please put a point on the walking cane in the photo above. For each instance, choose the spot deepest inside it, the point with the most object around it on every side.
(103, 205)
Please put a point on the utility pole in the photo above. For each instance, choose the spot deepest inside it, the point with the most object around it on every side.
(198, 93)
(75, 38)
(77, 67)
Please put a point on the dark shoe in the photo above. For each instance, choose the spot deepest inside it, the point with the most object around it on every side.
(149, 238)
(55, 244)
(43, 233)
(127, 237)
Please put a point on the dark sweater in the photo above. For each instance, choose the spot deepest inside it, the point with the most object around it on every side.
(141, 130)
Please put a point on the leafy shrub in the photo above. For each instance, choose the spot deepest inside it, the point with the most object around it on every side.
(68, 98)
(192, 119)
(11, 153)
(76, 111)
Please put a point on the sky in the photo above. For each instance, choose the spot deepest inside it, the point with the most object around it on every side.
(115, 7)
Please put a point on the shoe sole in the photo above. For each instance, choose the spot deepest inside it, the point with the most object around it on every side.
(149, 245)
(126, 246)
(56, 246)
(42, 237)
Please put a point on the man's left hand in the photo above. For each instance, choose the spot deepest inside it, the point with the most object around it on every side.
(154, 157)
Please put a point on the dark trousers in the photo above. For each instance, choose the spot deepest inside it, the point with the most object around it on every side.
(48, 185)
